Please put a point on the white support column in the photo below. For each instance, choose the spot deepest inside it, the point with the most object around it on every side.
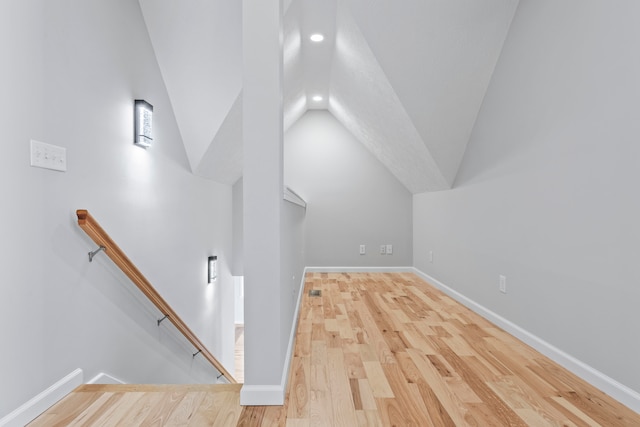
(263, 171)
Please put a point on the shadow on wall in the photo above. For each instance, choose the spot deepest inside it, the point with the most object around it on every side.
(238, 285)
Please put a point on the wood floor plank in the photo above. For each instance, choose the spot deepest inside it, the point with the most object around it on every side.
(500, 409)
(341, 393)
(209, 406)
(303, 344)
(93, 412)
(417, 340)
(344, 325)
(66, 410)
(320, 405)
(353, 364)
(295, 422)
(574, 414)
(526, 402)
(369, 419)
(260, 416)
(115, 415)
(185, 411)
(141, 410)
(366, 395)
(392, 413)
(299, 391)
(159, 414)
(378, 380)
(409, 400)
(374, 336)
(229, 410)
(445, 397)
(438, 414)
(354, 385)
(427, 400)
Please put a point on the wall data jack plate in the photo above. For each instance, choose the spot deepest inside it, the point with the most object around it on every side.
(48, 156)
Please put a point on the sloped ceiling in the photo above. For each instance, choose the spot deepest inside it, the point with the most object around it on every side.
(407, 78)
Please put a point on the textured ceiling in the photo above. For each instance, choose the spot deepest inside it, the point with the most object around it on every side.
(406, 78)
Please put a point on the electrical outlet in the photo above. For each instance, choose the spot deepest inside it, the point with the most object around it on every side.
(431, 256)
(48, 156)
(363, 249)
(383, 249)
(389, 249)
(503, 284)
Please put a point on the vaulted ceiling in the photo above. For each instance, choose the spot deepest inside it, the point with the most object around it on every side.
(407, 78)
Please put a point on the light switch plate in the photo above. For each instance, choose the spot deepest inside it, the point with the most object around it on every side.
(48, 156)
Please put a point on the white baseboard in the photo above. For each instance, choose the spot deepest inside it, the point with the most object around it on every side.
(359, 270)
(103, 378)
(43, 401)
(261, 395)
(613, 388)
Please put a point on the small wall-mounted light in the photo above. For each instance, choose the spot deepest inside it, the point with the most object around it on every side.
(213, 269)
(143, 113)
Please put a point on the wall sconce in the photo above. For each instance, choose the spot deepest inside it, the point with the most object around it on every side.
(143, 113)
(213, 269)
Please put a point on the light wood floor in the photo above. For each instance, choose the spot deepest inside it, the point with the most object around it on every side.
(145, 405)
(376, 350)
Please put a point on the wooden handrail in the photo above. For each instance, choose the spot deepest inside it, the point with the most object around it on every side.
(101, 238)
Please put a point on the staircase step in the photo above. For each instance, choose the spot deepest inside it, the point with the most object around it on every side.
(146, 404)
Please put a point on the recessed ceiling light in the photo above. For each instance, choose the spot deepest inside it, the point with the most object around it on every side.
(317, 98)
(317, 38)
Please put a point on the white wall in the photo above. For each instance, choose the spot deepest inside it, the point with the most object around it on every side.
(547, 192)
(237, 263)
(239, 300)
(263, 225)
(292, 266)
(352, 199)
(71, 70)
(22, 300)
